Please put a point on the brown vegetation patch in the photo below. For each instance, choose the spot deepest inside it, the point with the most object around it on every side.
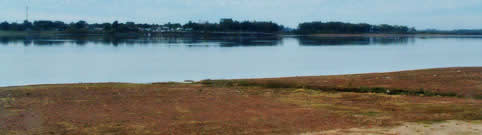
(154, 109)
(465, 82)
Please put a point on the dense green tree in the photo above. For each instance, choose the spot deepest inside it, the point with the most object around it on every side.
(107, 27)
(229, 25)
(81, 25)
(27, 25)
(115, 26)
(59, 25)
(4, 26)
(340, 27)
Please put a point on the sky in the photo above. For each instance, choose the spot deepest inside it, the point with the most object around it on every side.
(422, 14)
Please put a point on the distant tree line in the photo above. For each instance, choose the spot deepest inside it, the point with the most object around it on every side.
(224, 25)
(350, 28)
(229, 25)
(74, 27)
(455, 32)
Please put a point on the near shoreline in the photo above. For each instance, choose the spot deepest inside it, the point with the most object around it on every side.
(455, 81)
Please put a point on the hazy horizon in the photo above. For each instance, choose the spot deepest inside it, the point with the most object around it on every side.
(424, 14)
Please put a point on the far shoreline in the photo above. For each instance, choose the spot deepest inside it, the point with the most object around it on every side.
(161, 34)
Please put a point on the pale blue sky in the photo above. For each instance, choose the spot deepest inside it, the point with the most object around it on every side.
(440, 14)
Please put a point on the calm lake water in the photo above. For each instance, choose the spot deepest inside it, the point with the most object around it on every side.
(48, 60)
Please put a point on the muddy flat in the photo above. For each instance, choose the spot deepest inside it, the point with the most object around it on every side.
(298, 105)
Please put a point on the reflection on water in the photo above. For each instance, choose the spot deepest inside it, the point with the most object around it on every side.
(327, 41)
(220, 41)
(46, 60)
(189, 41)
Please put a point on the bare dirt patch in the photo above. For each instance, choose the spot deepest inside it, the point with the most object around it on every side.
(439, 128)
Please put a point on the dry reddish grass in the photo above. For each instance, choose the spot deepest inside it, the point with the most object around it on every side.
(463, 81)
(169, 108)
(152, 109)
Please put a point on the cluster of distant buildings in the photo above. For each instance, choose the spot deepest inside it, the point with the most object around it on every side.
(156, 29)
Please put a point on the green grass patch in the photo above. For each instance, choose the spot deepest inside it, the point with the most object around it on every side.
(430, 122)
(266, 84)
(283, 84)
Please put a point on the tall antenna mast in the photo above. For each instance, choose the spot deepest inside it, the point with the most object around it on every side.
(26, 11)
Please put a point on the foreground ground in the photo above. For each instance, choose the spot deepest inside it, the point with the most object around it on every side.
(302, 105)
(440, 128)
